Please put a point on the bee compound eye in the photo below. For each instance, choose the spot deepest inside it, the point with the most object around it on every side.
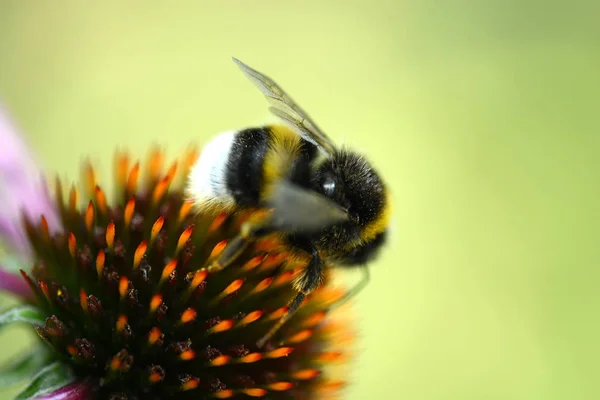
(329, 186)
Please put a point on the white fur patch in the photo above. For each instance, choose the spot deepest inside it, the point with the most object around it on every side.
(207, 186)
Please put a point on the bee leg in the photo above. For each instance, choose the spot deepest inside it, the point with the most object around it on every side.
(248, 233)
(356, 289)
(311, 278)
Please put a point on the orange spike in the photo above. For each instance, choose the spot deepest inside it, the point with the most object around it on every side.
(220, 360)
(280, 386)
(83, 300)
(331, 385)
(274, 260)
(89, 217)
(280, 352)
(58, 189)
(160, 189)
(301, 336)
(233, 286)
(155, 302)
(190, 384)
(248, 215)
(191, 157)
(188, 315)
(168, 269)
(217, 222)
(115, 363)
(329, 296)
(184, 237)
(139, 253)
(251, 317)
(250, 358)
(328, 356)
(128, 214)
(187, 355)
(121, 322)
(222, 326)
(199, 277)
(267, 244)
(28, 280)
(262, 285)
(123, 286)
(284, 278)
(132, 179)
(306, 374)
(255, 392)
(100, 199)
(277, 314)
(121, 167)
(184, 210)
(73, 199)
(100, 263)
(110, 235)
(156, 163)
(72, 244)
(171, 171)
(45, 230)
(253, 262)
(154, 335)
(156, 228)
(218, 248)
(155, 377)
(314, 319)
(336, 331)
(72, 350)
(45, 290)
(89, 177)
(224, 394)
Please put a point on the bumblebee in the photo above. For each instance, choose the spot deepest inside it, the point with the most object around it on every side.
(326, 202)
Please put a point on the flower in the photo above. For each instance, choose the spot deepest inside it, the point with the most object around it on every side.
(121, 297)
(19, 179)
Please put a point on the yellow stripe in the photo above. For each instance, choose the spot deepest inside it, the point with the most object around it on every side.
(377, 226)
(284, 148)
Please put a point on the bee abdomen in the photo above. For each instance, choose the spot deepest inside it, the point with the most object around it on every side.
(236, 169)
(244, 169)
(228, 173)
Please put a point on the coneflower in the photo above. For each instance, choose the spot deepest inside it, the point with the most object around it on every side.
(120, 294)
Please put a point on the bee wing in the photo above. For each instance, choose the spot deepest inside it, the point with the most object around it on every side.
(285, 108)
(298, 209)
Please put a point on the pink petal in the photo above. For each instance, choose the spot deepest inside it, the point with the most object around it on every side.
(22, 188)
(14, 284)
(81, 390)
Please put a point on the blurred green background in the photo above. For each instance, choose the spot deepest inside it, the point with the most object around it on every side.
(482, 115)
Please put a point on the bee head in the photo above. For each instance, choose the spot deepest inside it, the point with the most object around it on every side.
(349, 180)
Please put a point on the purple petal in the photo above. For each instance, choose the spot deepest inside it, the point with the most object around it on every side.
(82, 390)
(22, 188)
(14, 283)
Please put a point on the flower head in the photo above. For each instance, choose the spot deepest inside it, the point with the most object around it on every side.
(128, 305)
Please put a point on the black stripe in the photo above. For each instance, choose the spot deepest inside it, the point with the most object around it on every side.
(308, 149)
(245, 165)
(301, 172)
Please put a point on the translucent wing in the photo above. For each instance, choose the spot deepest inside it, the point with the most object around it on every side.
(299, 210)
(285, 108)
